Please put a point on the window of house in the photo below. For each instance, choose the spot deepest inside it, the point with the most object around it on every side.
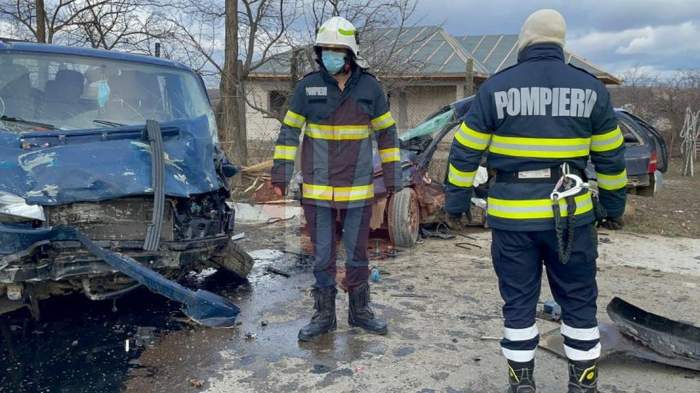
(276, 102)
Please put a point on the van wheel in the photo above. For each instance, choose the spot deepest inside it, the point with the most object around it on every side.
(233, 259)
(403, 218)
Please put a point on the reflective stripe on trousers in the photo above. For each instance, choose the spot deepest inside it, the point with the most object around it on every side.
(518, 261)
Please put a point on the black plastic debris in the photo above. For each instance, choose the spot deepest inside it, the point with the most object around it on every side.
(203, 307)
(640, 334)
(668, 337)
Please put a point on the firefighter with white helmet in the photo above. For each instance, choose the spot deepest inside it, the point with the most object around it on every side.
(340, 108)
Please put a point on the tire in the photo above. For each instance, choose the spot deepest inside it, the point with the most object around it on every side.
(233, 259)
(403, 218)
(648, 191)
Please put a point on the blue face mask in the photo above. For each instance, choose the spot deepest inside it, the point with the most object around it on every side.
(103, 92)
(333, 61)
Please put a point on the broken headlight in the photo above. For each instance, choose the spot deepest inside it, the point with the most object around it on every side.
(15, 209)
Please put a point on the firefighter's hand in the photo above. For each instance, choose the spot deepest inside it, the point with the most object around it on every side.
(613, 223)
(279, 190)
(392, 190)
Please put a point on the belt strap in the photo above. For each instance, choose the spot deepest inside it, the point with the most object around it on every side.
(531, 177)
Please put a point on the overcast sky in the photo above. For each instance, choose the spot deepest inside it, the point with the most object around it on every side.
(658, 35)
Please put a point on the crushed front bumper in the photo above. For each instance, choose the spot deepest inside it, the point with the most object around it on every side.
(31, 255)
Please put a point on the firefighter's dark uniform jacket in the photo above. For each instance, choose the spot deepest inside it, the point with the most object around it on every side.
(532, 116)
(336, 157)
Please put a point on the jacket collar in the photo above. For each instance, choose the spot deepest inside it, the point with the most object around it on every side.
(541, 52)
(328, 78)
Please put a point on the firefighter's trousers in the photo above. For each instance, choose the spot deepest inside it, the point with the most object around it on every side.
(323, 229)
(518, 258)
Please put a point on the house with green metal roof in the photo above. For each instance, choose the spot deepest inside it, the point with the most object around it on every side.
(421, 67)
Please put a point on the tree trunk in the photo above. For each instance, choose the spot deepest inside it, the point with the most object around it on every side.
(40, 22)
(231, 132)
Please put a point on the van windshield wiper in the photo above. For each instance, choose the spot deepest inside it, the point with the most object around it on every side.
(108, 123)
(28, 122)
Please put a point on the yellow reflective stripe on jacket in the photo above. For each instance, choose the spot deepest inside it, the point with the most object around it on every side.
(356, 193)
(283, 152)
(294, 120)
(540, 147)
(460, 178)
(382, 122)
(610, 140)
(535, 208)
(337, 133)
(312, 191)
(471, 138)
(339, 194)
(612, 182)
(390, 155)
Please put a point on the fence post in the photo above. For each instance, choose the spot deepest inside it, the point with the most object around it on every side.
(469, 78)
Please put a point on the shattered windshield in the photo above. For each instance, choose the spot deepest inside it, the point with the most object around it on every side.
(69, 92)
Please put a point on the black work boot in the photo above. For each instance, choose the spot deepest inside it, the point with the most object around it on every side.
(361, 315)
(521, 377)
(583, 376)
(323, 321)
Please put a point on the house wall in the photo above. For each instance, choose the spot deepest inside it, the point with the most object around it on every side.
(421, 101)
(259, 125)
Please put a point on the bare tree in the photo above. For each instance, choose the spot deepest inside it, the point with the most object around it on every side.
(262, 27)
(132, 25)
(41, 22)
(660, 99)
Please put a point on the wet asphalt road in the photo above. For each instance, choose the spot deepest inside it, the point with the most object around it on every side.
(79, 346)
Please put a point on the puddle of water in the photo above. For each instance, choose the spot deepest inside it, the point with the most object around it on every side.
(79, 345)
(273, 309)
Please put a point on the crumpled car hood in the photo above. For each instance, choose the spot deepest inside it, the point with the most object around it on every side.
(109, 163)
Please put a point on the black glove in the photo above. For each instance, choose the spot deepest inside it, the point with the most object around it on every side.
(457, 200)
(612, 223)
(391, 190)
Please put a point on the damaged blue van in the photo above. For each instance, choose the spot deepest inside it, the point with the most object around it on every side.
(122, 148)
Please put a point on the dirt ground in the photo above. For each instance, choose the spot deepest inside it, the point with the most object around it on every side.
(444, 312)
(674, 211)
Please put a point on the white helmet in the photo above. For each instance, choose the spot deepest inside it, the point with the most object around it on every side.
(338, 32)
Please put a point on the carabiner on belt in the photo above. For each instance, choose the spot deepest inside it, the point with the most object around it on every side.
(564, 187)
